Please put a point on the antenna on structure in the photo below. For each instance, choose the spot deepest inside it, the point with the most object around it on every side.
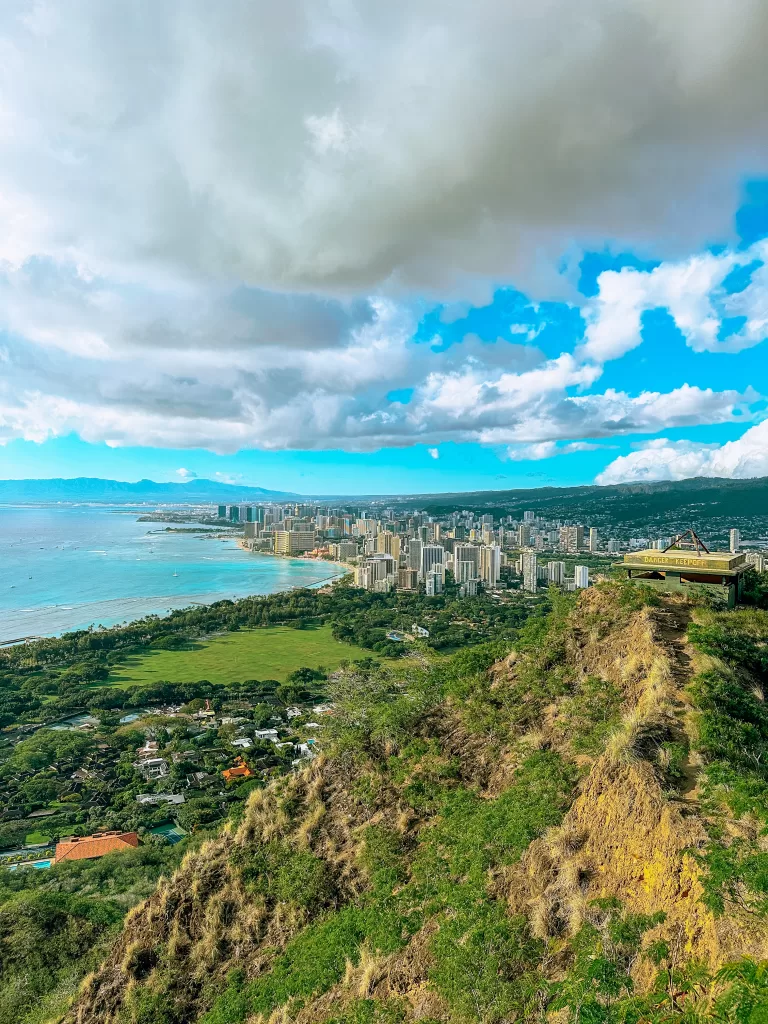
(689, 539)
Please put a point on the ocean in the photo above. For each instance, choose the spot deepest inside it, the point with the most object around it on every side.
(70, 567)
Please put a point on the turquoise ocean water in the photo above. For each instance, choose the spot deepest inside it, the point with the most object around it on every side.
(69, 567)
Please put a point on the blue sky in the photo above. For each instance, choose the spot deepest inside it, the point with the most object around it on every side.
(356, 273)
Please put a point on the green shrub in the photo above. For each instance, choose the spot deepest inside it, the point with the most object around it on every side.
(589, 715)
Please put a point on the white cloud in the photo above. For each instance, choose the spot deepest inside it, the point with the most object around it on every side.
(226, 253)
(548, 450)
(677, 460)
(616, 412)
(434, 453)
(186, 474)
(691, 290)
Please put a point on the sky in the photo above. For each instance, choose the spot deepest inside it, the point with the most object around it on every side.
(345, 246)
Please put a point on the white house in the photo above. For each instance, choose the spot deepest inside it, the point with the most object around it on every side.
(266, 734)
(160, 798)
(152, 767)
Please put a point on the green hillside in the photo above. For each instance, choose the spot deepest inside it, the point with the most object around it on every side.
(569, 826)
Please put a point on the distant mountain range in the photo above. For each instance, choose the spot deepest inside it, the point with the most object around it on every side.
(119, 491)
(673, 504)
(665, 505)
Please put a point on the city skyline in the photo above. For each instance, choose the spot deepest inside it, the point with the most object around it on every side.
(467, 552)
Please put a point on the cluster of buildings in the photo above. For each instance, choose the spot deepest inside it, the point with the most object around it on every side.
(411, 550)
(408, 562)
(549, 573)
(415, 551)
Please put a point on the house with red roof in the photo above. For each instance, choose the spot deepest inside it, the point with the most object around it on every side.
(97, 845)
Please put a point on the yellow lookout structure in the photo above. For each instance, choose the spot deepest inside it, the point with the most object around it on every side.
(679, 570)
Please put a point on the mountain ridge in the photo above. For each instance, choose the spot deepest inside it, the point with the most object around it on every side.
(89, 488)
(102, 490)
(480, 835)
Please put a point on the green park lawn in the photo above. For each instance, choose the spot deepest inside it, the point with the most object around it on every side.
(271, 652)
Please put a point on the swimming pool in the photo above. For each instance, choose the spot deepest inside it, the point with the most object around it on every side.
(41, 865)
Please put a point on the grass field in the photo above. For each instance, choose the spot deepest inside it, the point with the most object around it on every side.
(33, 838)
(272, 652)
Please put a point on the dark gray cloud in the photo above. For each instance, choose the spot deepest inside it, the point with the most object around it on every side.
(219, 222)
(345, 147)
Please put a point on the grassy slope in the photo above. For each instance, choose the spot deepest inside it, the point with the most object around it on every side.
(480, 846)
(272, 652)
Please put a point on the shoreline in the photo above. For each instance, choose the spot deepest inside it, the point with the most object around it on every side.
(348, 567)
(45, 611)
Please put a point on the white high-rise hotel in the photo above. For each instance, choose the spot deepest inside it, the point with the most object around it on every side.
(581, 577)
(529, 571)
(490, 565)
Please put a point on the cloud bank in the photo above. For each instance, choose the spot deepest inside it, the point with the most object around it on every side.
(320, 145)
(661, 459)
(221, 226)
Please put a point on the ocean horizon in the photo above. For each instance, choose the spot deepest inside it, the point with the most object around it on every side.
(68, 567)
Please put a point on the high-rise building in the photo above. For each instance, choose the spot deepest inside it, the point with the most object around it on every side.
(593, 539)
(490, 565)
(407, 579)
(234, 514)
(571, 538)
(364, 576)
(466, 562)
(414, 555)
(523, 535)
(581, 577)
(735, 541)
(246, 514)
(529, 567)
(529, 517)
(388, 544)
(432, 558)
(556, 572)
(222, 512)
(291, 542)
(383, 566)
(434, 583)
(345, 549)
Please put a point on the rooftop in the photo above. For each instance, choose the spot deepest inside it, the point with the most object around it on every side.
(97, 845)
(714, 561)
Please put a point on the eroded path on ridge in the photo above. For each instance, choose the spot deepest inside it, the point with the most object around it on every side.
(671, 622)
